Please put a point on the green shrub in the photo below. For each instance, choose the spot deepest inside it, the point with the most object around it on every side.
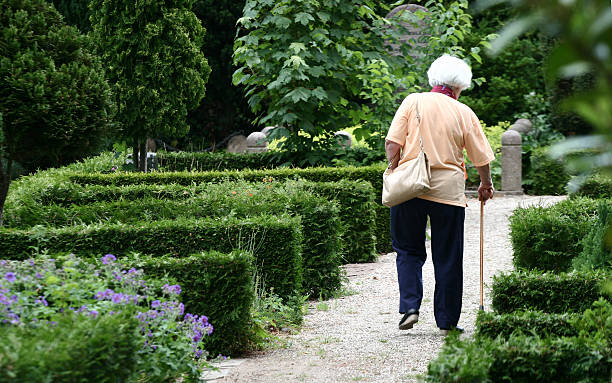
(208, 161)
(521, 359)
(596, 186)
(79, 348)
(372, 174)
(548, 238)
(596, 251)
(219, 286)
(546, 175)
(541, 324)
(274, 241)
(45, 205)
(357, 213)
(548, 292)
(383, 229)
(55, 102)
(320, 221)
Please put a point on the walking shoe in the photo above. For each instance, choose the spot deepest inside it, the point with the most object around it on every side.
(409, 319)
(446, 331)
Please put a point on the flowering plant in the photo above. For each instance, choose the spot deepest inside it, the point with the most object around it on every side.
(39, 291)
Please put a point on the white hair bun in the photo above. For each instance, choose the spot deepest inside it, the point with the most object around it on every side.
(450, 71)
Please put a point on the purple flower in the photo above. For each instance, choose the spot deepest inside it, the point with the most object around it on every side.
(155, 304)
(172, 290)
(42, 300)
(93, 313)
(10, 277)
(39, 275)
(108, 259)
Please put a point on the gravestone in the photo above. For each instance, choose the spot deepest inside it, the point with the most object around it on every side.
(267, 130)
(345, 139)
(237, 144)
(414, 31)
(257, 142)
(511, 178)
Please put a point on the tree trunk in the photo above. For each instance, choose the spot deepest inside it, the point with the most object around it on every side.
(143, 156)
(135, 153)
(5, 181)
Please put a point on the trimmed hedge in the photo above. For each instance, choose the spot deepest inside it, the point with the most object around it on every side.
(383, 229)
(596, 186)
(274, 241)
(372, 174)
(548, 292)
(548, 238)
(548, 176)
(492, 325)
(206, 161)
(49, 207)
(78, 348)
(67, 190)
(320, 221)
(217, 285)
(521, 359)
(357, 213)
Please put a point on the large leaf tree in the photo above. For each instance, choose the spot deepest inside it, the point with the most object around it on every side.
(55, 102)
(314, 67)
(152, 49)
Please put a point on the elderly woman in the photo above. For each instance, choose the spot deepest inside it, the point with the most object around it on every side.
(446, 127)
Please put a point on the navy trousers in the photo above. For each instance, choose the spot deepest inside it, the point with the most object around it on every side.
(408, 226)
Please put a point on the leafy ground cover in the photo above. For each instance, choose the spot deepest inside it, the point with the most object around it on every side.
(47, 294)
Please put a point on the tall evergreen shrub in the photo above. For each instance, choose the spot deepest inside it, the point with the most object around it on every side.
(153, 52)
(55, 102)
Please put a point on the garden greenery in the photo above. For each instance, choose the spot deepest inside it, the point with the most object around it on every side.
(55, 102)
(40, 293)
(312, 68)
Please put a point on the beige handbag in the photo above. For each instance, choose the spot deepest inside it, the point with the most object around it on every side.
(408, 180)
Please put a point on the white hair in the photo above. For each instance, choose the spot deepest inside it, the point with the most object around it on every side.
(450, 71)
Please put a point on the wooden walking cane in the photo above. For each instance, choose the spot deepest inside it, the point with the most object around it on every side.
(481, 254)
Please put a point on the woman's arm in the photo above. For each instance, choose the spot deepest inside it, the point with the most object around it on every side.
(393, 150)
(485, 190)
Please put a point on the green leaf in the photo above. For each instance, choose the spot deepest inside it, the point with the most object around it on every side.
(298, 94)
(303, 18)
(297, 47)
(295, 62)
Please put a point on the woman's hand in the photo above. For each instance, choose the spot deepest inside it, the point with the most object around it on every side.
(485, 192)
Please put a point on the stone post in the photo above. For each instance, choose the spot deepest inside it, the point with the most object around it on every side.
(511, 180)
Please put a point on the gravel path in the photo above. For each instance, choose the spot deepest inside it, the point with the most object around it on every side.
(355, 338)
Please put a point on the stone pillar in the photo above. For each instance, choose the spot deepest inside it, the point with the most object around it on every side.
(257, 142)
(511, 180)
(522, 125)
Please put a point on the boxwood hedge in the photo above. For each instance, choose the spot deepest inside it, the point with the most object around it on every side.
(320, 221)
(548, 292)
(537, 323)
(276, 242)
(548, 238)
(521, 359)
(213, 284)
